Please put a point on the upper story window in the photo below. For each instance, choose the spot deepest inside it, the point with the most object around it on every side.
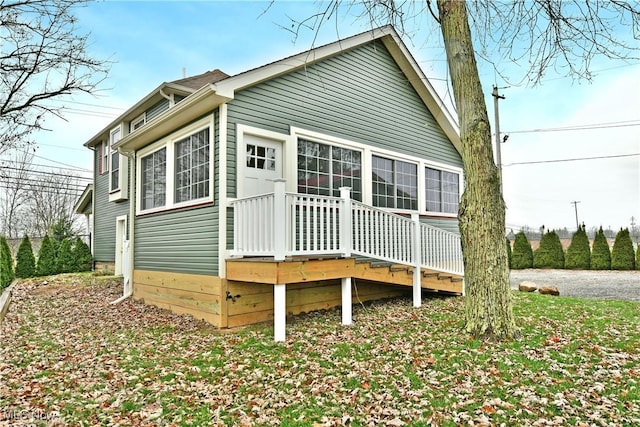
(103, 158)
(138, 122)
(323, 169)
(442, 191)
(177, 170)
(117, 167)
(394, 183)
(114, 178)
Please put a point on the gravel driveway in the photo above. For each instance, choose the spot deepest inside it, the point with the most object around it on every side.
(622, 285)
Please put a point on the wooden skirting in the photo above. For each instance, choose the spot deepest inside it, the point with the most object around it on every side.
(194, 294)
(302, 271)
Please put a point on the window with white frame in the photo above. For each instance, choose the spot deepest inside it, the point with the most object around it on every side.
(177, 170)
(114, 177)
(138, 122)
(192, 167)
(154, 180)
(104, 157)
(442, 190)
(323, 169)
(394, 183)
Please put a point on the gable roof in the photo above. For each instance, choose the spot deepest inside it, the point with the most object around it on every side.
(213, 94)
(196, 82)
(84, 204)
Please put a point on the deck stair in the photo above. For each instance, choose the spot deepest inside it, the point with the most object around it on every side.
(399, 274)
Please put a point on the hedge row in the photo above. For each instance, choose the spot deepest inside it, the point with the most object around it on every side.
(578, 255)
(7, 274)
(66, 256)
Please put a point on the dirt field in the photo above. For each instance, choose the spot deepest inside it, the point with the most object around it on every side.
(623, 285)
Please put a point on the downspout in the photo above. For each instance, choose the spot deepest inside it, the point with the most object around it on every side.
(131, 155)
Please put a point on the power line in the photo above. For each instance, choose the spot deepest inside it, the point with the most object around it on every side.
(48, 173)
(608, 125)
(572, 160)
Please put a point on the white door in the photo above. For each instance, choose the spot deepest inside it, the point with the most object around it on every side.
(121, 238)
(262, 165)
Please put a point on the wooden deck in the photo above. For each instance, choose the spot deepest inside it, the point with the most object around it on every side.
(301, 270)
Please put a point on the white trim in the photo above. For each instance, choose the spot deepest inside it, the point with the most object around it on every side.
(367, 152)
(121, 225)
(141, 118)
(241, 131)
(169, 143)
(222, 190)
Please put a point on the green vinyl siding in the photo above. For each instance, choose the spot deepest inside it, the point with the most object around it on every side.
(105, 214)
(359, 95)
(157, 109)
(183, 241)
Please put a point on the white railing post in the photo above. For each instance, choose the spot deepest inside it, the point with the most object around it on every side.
(346, 301)
(417, 260)
(345, 222)
(279, 219)
(279, 312)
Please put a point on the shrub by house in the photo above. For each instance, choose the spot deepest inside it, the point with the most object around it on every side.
(47, 262)
(7, 273)
(25, 261)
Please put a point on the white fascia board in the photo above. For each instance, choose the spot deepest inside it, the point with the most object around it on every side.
(199, 103)
(85, 199)
(423, 87)
(135, 109)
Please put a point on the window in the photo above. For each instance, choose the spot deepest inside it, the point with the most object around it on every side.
(443, 191)
(176, 171)
(154, 184)
(138, 122)
(104, 157)
(323, 169)
(394, 183)
(261, 157)
(192, 167)
(114, 178)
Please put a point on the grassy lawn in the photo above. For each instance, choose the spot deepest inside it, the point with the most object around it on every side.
(67, 356)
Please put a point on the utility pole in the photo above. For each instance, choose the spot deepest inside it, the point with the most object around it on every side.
(575, 205)
(497, 97)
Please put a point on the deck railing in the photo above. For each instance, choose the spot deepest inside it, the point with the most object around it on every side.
(283, 224)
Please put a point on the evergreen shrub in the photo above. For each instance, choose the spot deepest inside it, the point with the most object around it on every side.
(600, 253)
(578, 256)
(25, 261)
(47, 262)
(66, 262)
(82, 256)
(522, 255)
(550, 253)
(7, 273)
(622, 255)
(509, 254)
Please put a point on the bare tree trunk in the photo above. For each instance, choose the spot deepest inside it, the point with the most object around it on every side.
(488, 310)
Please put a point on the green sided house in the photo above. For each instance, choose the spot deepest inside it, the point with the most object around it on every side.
(323, 178)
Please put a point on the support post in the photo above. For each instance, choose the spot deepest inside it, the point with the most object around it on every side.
(279, 219)
(346, 301)
(345, 222)
(279, 312)
(417, 261)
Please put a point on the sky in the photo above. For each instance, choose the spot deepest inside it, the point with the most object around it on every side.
(150, 42)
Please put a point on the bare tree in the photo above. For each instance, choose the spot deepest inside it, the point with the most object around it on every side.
(14, 192)
(561, 34)
(42, 58)
(51, 202)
